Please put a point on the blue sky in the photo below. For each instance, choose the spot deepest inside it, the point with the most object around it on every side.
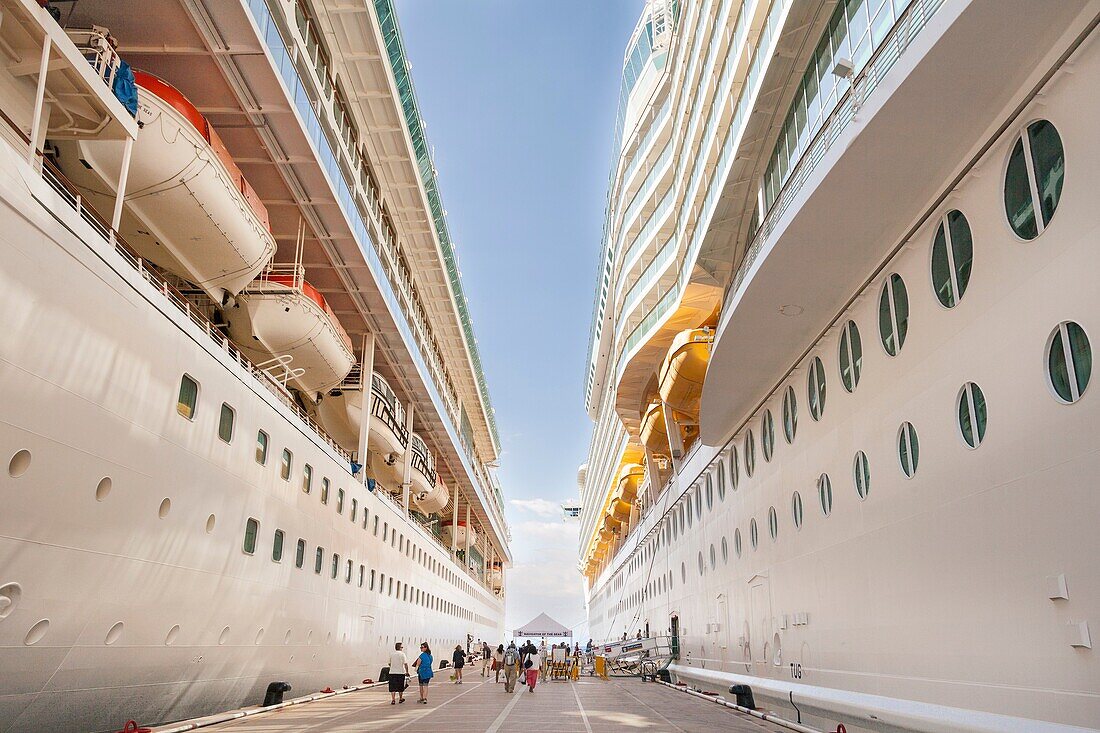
(519, 97)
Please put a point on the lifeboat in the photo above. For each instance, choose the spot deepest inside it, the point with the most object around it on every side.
(282, 320)
(630, 480)
(433, 501)
(341, 412)
(496, 577)
(460, 538)
(188, 207)
(653, 434)
(423, 466)
(620, 509)
(684, 369)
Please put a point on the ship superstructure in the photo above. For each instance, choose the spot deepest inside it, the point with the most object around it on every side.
(839, 359)
(246, 430)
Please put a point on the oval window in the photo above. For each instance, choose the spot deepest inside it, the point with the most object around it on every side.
(1069, 361)
(735, 468)
(862, 473)
(952, 257)
(1033, 179)
(893, 314)
(908, 449)
(737, 542)
(971, 410)
(721, 480)
(773, 523)
(796, 509)
(851, 356)
(754, 533)
(767, 435)
(825, 493)
(790, 414)
(816, 388)
(750, 454)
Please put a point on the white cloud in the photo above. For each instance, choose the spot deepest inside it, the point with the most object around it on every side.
(541, 507)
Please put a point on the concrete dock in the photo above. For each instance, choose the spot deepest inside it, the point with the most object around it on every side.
(586, 706)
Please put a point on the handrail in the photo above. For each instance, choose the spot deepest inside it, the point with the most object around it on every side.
(422, 459)
(381, 409)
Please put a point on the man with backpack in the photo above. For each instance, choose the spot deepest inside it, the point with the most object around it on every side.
(511, 667)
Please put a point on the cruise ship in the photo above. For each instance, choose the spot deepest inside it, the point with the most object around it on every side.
(844, 437)
(245, 432)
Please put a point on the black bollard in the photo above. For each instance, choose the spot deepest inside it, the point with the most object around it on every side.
(275, 692)
(744, 696)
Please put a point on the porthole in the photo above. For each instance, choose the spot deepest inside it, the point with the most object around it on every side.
(698, 503)
(277, 546)
(19, 463)
(37, 632)
(713, 558)
(225, 423)
(710, 491)
(210, 522)
(113, 634)
(336, 565)
(971, 409)
(796, 509)
(737, 542)
(172, 635)
(300, 553)
(318, 560)
(188, 397)
(251, 531)
(767, 435)
(754, 533)
(952, 257)
(683, 573)
(1033, 179)
(851, 356)
(720, 477)
(773, 523)
(862, 475)
(103, 488)
(10, 593)
(223, 636)
(815, 386)
(790, 414)
(701, 563)
(1069, 361)
(735, 468)
(165, 507)
(725, 552)
(307, 478)
(893, 314)
(825, 493)
(687, 505)
(908, 449)
(750, 453)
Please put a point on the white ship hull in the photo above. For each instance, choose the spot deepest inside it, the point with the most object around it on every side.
(135, 598)
(965, 598)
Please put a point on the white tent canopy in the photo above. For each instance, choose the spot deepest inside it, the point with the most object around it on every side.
(542, 626)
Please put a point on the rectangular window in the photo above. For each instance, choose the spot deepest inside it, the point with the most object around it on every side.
(261, 448)
(251, 529)
(354, 508)
(339, 501)
(324, 491)
(362, 574)
(307, 478)
(225, 423)
(319, 560)
(277, 546)
(189, 397)
(375, 525)
(372, 580)
(347, 571)
(335, 565)
(385, 531)
(300, 554)
(366, 516)
(390, 591)
(285, 464)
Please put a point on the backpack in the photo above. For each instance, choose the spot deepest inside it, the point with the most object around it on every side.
(510, 658)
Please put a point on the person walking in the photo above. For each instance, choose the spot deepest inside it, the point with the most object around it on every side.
(511, 667)
(486, 658)
(399, 670)
(498, 662)
(458, 659)
(532, 661)
(424, 674)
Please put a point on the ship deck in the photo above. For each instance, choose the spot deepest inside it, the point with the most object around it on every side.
(588, 705)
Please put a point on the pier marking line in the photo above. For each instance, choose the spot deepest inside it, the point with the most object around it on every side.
(442, 705)
(504, 713)
(655, 710)
(584, 715)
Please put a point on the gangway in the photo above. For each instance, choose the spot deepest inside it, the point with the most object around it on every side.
(644, 658)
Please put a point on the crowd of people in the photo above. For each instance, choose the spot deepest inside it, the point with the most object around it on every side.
(523, 663)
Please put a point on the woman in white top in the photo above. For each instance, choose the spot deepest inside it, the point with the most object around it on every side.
(399, 668)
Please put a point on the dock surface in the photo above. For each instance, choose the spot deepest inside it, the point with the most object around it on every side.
(588, 705)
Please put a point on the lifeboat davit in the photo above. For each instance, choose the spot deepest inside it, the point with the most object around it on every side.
(189, 208)
(684, 369)
(653, 433)
(460, 537)
(283, 322)
(496, 577)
